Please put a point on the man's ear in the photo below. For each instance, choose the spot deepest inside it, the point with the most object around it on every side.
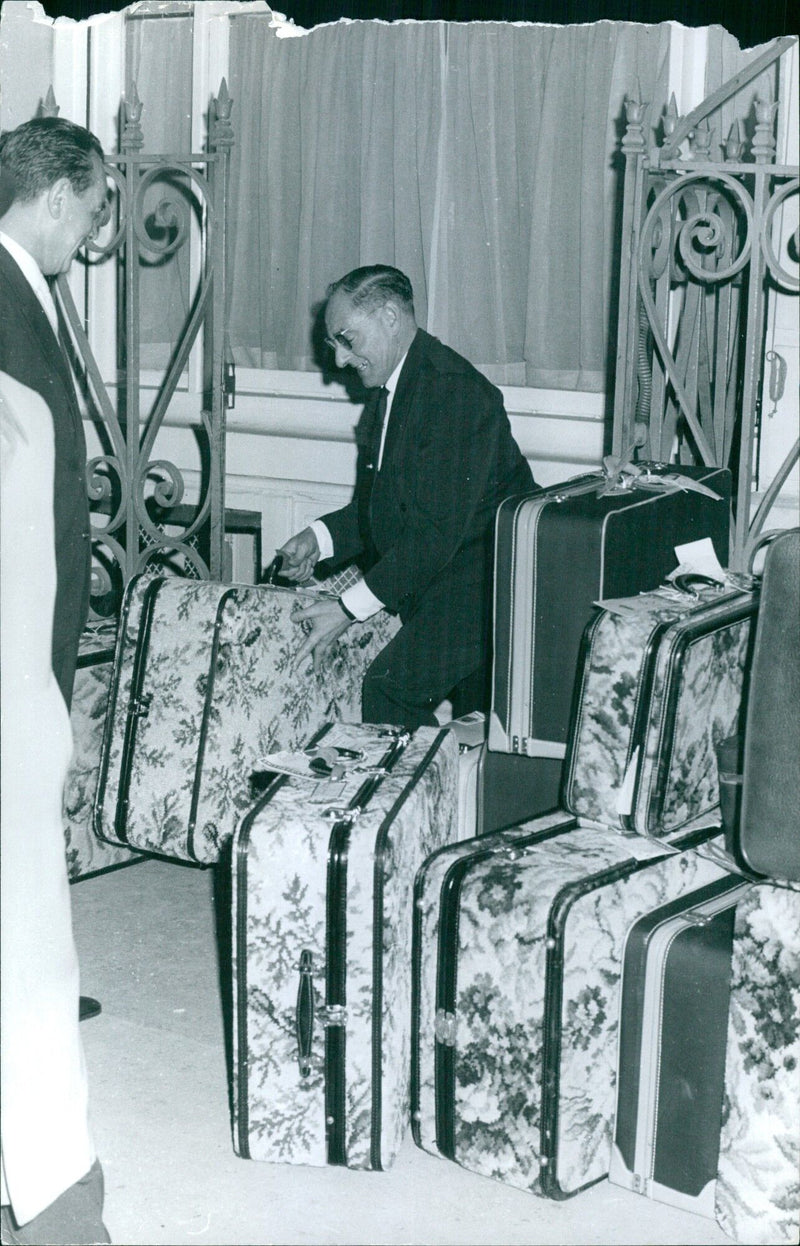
(57, 197)
(390, 313)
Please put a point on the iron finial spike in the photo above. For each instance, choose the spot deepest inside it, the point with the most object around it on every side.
(224, 100)
(132, 136)
(49, 107)
(733, 144)
(671, 115)
(221, 128)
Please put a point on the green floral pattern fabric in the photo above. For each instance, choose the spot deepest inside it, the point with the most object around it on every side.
(220, 690)
(279, 887)
(758, 1181)
(694, 703)
(506, 949)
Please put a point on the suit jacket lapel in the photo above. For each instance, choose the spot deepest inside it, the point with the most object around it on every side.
(39, 325)
(403, 395)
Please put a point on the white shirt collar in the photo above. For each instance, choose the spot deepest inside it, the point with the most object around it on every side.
(391, 384)
(34, 277)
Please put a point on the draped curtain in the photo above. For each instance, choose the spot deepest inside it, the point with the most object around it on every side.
(480, 158)
(159, 51)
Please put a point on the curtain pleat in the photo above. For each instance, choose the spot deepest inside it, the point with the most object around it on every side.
(481, 158)
(159, 52)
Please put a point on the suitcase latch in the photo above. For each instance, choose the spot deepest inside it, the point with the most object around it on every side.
(698, 919)
(333, 1014)
(444, 1027)
(141, 706)
(338, 813)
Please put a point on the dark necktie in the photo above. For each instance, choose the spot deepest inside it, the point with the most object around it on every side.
(380, 418)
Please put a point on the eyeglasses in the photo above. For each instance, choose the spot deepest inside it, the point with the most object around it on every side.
(346, 337)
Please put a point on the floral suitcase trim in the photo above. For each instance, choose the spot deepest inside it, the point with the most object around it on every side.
(536, 999)
(758, 1179)
(660, 685)
(289, 952)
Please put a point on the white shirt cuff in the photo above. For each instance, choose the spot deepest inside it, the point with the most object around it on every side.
(324, 539)
(361, 601)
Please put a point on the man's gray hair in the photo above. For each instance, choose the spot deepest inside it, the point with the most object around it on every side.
(373, 285)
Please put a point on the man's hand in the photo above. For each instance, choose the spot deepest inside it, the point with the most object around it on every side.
(300, 556)
(328, 621)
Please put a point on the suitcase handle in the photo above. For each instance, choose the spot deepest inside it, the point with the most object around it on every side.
(304, 1013)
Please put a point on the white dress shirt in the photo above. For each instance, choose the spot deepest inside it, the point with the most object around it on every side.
(358, 598)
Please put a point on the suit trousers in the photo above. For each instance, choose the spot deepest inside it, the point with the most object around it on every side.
(443, 643)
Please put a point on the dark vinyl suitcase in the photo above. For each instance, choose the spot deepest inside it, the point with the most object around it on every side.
(767, 839)
(518, 944)
(662, 681)
(556, 553)
(204, 685)
(758, 1179)
(322, 917)
(673, 1033)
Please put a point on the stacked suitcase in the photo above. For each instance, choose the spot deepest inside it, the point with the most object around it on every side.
(520, 934)
(607, 987)
(558, 551)
(708, 1092)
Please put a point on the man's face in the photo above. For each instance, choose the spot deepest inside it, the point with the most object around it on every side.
(365, 341)
(81, 217)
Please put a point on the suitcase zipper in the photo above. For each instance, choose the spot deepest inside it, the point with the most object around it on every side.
(336, 953)
(138, 708)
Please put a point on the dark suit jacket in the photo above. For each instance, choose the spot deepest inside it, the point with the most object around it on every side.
(30, 352)
(426, 520)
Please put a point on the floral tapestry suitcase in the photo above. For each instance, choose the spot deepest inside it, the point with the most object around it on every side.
(322, 916)
(517, 950)
(673, 1030)
(660, 685)
(758, 1180)
(86, 854)
(204, 684)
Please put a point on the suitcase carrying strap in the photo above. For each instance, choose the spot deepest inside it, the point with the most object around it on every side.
(139, 704)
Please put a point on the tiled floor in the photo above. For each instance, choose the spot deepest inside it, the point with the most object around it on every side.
(159, 1096)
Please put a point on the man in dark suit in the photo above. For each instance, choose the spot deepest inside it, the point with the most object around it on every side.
(437, 459)
(52, 172)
